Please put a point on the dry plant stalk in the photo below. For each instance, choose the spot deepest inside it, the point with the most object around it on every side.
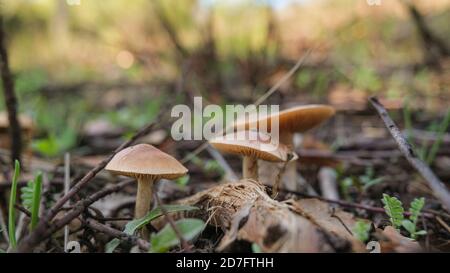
(245, 212)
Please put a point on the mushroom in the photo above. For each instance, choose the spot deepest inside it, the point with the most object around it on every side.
(252, 145)
(290, 121)
(147, 164)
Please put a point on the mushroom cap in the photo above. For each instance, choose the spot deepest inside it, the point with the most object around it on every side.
(296, 119)
(251, 143)
(26, 123)
(144, 160)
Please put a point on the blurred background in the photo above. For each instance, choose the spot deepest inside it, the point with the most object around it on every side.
(83, 66)
(89, 74)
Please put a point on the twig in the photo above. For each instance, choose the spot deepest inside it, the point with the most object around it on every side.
(144, 245)
(22, 209)
(10, 98)
(3, 225)
(445, 225)
(223, 163)
(341, 203)
(432, 43)
(170, 30)
(66, 190)
(186, 246)
(439, 189)
(4, 169)
(48, 228)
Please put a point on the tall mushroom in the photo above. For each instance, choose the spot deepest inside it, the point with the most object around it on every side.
(147, 164)
(252, 145)
(293, 120)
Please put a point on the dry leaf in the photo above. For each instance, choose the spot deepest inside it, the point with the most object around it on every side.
(392, 241)
(331, 220)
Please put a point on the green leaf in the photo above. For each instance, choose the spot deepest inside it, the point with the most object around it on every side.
(182, 181)
(166, 237)
(394, 209)
(132, 226)
(12, 210)
(256, 248)
(36, 200)
(409, 226)
(421, 232)
(415, 208)
(112, 245)
(2, 251)
(361, 230)
(31, 198)
(440, 135)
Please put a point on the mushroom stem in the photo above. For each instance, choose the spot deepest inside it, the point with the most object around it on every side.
(143, 200)
(250, 167)
(289, 178)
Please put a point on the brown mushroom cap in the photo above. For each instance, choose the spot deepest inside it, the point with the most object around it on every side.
(251, 143)
(144, 160)
(296, 119)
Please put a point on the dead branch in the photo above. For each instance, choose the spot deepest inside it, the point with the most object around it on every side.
(433, 45)
(433, 181)
(165, 23)
(10, 98)
(346, 204)
(144, 245)
(41, 233)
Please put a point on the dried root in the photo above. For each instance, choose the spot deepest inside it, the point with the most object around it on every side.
(245, 212)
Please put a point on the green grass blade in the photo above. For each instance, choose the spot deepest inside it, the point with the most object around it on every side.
(435, 147)
(12, 210)
(36, 200)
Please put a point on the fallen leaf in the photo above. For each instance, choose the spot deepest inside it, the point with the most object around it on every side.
(392, 241)
(332, 220)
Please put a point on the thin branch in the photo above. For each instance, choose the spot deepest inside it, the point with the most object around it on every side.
(45, 229)
(24, 210)
(429, 38)
(144, 245)
(350, 204)
(10, 98)
(230, 174)
(165, 23)
(439, 189)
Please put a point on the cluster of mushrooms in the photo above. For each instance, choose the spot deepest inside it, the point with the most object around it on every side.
(148, 164)
(261, 165)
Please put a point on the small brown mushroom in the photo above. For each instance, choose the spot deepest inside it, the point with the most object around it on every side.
(147, 164)
(293, 120)
(252, 145)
